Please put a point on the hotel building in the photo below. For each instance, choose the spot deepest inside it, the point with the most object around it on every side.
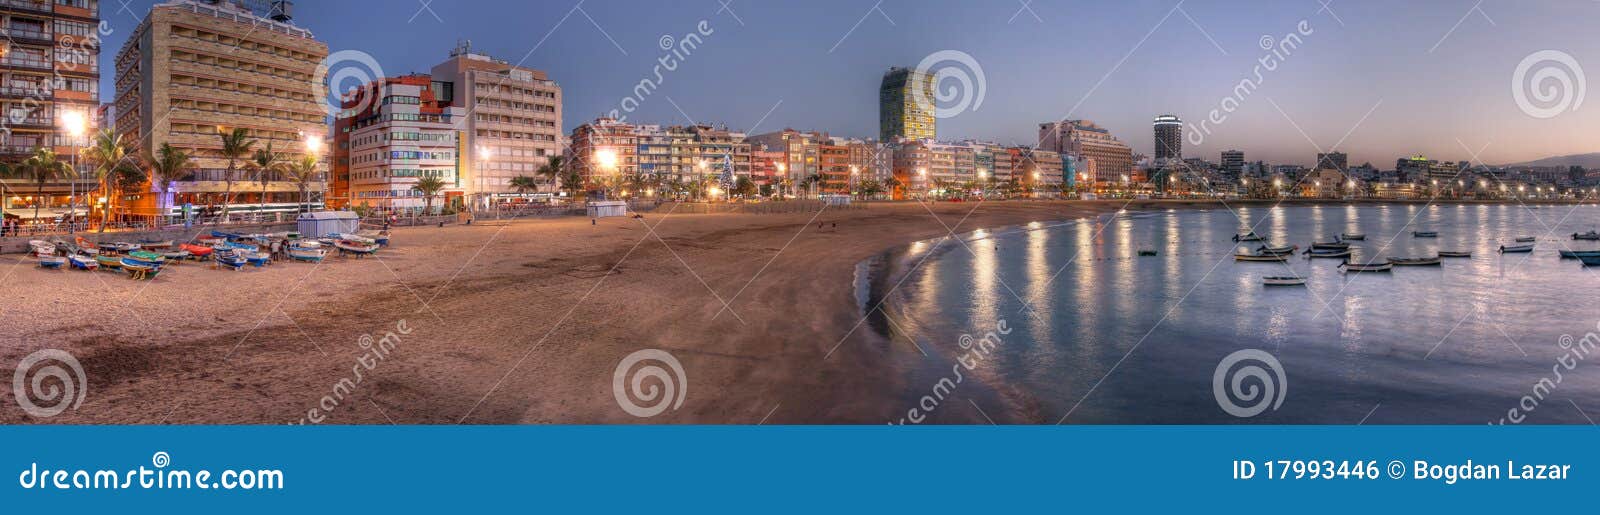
(49, 81)
(671, 154)
(391, 133)
(802, 153)
(1233, 163)
(1113, 160)
(512, 120)
(1169, 138)
(193, 69)
(900, 114)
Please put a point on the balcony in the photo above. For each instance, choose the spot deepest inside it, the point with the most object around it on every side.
(30, 122)
(28, 63)
(41, 93)
(33, 6)
(28, 36)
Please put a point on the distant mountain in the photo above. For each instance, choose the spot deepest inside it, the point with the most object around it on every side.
(1590, 161)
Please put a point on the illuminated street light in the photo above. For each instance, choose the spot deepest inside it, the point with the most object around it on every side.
(313, 144)
(607, 159)
(74, 123)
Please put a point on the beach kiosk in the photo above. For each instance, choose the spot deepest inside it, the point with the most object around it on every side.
(607, 208)
(323, 223)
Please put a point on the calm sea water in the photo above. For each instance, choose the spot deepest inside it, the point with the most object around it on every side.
(1113, 337)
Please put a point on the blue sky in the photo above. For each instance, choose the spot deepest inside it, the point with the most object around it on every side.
(1430, 76)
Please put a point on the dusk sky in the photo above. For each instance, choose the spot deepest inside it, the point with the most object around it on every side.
(1436, 76)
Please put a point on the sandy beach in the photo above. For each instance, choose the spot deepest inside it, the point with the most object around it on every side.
(518, 323)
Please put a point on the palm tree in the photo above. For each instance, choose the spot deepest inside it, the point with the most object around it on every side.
(42, 167)
(523, 183)
(236, 144)
(572, 181)
(551, 170)
(304, 172)
(428, 186)
(106, 152)
(264, 163)
(166, 166)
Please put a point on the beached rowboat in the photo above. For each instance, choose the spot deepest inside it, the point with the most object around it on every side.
(228, 259)
(1366, 267)
(355, 247)
(311, 254)
(109, 262)
(140, 269)
(1284, 281)
(198, 251)
(1515, 248)
(1415, 261)
(83, 262)
(52, 262)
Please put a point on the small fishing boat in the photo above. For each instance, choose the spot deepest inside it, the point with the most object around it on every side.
(309, 254)
(353, 237)
(380, 237)
(228, 259)
(140, 269)
(355, 247)
(1329, 245)
(1455, 253)
(1268, 249)
(1579, 253)
(1415, 261)
(1249, 236)
(1590, 261)
(85, 247)
(109, 262)
(1425, 234)
(52, 262)
(1526, 239)
(238, 247)
(1366, 267)
(123, 246)
(1284, 281)
(146, 256)
(1591, 235)
(155, 244)
(175, 255)
(209, 241)
(1142, 252)
(1515, 248)
(41, 248)
(106, 246)
(1328, 253)
(197, 251)
(1261, 257)
(257, 259)
(226, 235)
(1353, 236)
(83, 262)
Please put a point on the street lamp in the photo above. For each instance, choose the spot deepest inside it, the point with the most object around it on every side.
(73, 122)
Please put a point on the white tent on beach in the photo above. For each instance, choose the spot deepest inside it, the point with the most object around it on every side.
(323, 223)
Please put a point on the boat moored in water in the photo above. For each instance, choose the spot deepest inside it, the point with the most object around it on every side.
(1455, 253)
(1249, 236)
(1415, 261)
(1366, 267)
(1579, 253)
(1353, 236)
(1526, 239)
(1328, 253)
(1515, 248)
(1425, 234)
(1261, 257)
(1591, 235)
(1590, 261)
(1284, 281)
(1268, 249)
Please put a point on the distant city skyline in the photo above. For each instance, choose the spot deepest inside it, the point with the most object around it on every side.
(1431, 77)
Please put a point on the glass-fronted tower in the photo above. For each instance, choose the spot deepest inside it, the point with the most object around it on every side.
(900, 115)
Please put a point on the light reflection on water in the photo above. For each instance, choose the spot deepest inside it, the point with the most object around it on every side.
(1432, 344)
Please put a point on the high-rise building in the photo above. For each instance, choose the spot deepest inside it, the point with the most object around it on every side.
(1335, 160)
(1113, 160)
(604, 146)
(49, 86)
(901, 114)
(195, 69)
(802, 154)
(513, 120)
(1233, 162)
(392, 133)
(1169, 138)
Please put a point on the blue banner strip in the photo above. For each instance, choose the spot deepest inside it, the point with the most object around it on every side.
(746, 469)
